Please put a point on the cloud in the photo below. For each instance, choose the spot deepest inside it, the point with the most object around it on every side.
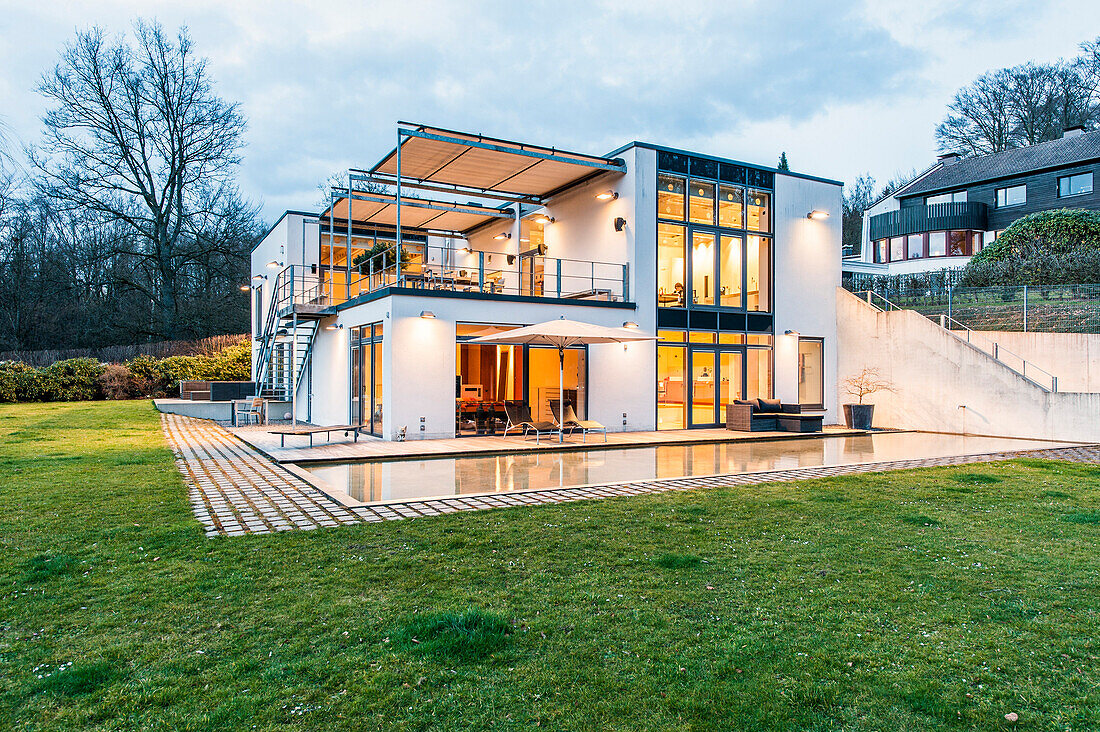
(322, 84)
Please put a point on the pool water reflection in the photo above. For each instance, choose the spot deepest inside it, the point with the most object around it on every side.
(439, 477)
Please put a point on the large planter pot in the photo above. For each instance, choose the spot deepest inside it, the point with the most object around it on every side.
(859, 416)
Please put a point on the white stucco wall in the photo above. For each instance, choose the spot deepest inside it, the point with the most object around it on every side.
(807, 273)
(945, 385)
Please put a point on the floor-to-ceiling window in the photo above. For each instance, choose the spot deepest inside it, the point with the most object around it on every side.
(366, 377)
(714, 287)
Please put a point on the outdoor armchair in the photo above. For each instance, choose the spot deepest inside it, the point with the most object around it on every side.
(584, 425)
(519, 417)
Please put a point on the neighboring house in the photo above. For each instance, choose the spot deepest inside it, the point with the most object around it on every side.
(734, 266)
(949, 212)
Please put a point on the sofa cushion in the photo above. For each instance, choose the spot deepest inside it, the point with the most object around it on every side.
(744, 402)
(770, 405)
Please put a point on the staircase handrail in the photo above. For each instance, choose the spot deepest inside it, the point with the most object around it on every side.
(994, 350)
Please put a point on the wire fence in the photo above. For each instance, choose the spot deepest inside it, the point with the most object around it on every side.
(1044, 308)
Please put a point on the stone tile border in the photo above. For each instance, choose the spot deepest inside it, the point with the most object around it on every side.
(234, 490)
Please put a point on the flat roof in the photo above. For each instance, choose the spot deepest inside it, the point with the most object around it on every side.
(434, 154)
(692, 153)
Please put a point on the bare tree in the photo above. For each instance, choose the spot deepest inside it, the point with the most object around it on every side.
(979, 120)
(857, 198)
(135, 135)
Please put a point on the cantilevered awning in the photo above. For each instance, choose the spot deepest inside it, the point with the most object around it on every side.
(489, 164)
(416, 213)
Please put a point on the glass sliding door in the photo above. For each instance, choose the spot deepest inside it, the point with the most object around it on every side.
(366, 378)
(702, 268)
(543, 390)
(731, 373)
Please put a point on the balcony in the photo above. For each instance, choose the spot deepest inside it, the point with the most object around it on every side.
(453, 270)
(937, 217)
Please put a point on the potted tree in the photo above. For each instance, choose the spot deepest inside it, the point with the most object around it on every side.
(859, 416)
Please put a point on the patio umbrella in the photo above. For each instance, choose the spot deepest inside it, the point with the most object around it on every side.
(563, 334)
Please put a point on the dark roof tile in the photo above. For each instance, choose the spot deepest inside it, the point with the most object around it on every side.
(1018, 161)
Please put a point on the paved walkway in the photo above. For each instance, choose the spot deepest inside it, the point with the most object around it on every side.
(234, 490)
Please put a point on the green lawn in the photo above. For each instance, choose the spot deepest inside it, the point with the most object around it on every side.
(934, 599)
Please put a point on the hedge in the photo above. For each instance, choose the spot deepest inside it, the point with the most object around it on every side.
(1051, 238)
(82, 379)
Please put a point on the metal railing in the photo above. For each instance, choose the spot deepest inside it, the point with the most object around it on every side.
(1014, 361)
(492, 273)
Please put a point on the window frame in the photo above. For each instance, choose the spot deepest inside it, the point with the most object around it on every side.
(997, 196)
(1070, 177)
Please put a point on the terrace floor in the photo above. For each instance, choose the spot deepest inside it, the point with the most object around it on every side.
(344, 449)
(234, 490)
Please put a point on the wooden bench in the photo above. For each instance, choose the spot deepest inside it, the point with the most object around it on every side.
(310, 431)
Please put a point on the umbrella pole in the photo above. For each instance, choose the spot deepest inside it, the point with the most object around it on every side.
(561, 394)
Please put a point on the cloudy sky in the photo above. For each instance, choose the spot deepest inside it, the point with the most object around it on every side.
(842, 86)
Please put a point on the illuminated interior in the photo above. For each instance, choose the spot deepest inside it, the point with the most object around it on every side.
(670, 265)
(671, 399)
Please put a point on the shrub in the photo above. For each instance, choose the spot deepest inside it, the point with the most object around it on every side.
(22, 383)
(74, 380)
(118, 382)
(1045, 248)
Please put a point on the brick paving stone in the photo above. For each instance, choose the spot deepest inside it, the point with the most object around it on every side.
(236, 491)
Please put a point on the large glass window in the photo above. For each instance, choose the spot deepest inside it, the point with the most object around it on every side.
(702, 268)
(543, 381)
(730, 374)
(897, 249)
(671, 396)
(729, 263)
(811, 372)
(670, 197)
(1074, 185)
(702, 203)
(915, 246)
(759, 211)
(881, 252)
(758, 374)
(731, 207)
(937, 244)
(759, 274)
(956, 243)
(670, 265)
(1011, 196)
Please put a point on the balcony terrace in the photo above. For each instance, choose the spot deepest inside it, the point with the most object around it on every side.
(921, 219)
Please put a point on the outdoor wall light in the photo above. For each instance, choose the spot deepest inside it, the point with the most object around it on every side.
(630, 324)
(817, 214)
(543, 219)
(607, 196)
(620, 223)
(259, 277)
(791, 333)
(427, 314)
(274, 263)
(245, 288)
(337, 326)
(503, 235)
(468, 249)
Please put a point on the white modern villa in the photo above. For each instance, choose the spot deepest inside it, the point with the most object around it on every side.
(362, 313)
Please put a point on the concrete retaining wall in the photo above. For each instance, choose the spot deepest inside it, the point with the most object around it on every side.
(1073, 357)
(943, 384)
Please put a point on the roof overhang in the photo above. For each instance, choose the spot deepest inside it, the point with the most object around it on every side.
(380, 209)
(478, 163)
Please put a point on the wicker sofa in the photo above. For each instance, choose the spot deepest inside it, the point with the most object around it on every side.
(769, 415)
